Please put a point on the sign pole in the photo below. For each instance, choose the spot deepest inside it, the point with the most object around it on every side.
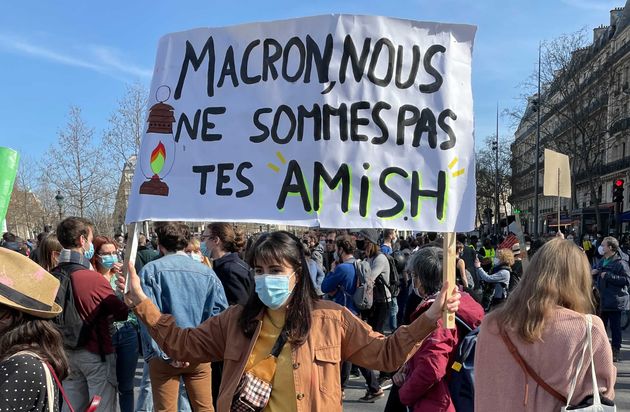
(448, 274)
(521, 240)
(558, 200)
(130, 251)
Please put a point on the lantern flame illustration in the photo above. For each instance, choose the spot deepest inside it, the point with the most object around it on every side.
(156, 167)
(158, 158)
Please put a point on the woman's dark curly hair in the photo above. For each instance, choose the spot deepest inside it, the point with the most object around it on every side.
(283, 247)
(29, 333)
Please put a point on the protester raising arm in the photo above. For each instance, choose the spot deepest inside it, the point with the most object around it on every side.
(285, 299)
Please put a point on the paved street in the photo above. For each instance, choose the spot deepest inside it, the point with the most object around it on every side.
(356, 387)
(622, 388)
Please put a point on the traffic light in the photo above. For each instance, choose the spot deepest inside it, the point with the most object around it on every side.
(618, 191)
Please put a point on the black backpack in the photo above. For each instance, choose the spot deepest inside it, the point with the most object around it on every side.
(461, 382)
(394, 276)
(74, 330)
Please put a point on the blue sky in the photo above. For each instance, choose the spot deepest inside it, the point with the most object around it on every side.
(62, 53)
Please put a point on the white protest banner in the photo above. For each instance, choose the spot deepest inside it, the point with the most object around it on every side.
(337, 121)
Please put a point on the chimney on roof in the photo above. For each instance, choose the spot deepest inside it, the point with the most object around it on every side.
(615, 15)
(599, 33)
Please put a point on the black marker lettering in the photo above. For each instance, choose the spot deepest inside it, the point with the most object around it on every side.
(191, 58)
(203, 170)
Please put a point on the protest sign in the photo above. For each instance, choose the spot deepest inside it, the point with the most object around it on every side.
(557, 177)
(9, 160)
(337, 121)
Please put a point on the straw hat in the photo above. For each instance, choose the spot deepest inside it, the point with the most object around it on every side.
(26, 286)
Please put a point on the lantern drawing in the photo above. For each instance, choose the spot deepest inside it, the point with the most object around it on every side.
(160, 143)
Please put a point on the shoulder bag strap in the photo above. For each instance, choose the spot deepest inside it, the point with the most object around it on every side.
(63, 393)
(589, 332)
(580, 362)
(282, 339)
(50, 388)
(529, 371)
(50, 374)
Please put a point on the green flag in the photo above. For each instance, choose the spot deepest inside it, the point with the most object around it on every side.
(9, 160)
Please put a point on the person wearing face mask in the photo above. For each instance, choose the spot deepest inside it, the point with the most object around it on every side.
(190, 293)
(422, 383)
(612, 277)
(28, 337)
(223, 242)
(194, 250)
(92, 364)
(125, 336)
(500, 276)
(309, 337)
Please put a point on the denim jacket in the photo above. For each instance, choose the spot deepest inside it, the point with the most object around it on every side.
(179, 286)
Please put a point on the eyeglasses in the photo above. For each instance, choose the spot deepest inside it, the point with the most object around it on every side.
(108, 254)
(330, 240)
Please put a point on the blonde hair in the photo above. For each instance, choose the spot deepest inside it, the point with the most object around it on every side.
(505, 256)
(194, 245)
(558, 275)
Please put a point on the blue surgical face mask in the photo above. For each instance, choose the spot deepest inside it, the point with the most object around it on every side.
(273, 290)
(196, 257)
(90, 252)
(108, 261)
(204, 249)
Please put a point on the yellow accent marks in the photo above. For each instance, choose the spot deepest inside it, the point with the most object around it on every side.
(282, 159)
(452, 164)
(273, 167)
(458, 173)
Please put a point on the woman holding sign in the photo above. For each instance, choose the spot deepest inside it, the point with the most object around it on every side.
(284, 337)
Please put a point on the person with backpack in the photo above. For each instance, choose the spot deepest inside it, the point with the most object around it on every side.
(544, 323)
(423, 381)
(89, 308)
(340, 285)
(499, 278)
(378, 314)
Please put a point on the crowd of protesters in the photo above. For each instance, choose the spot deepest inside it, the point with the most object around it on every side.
(206, 311)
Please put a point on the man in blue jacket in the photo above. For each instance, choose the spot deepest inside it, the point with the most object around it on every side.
(612, 279)
(191, 292)
(340, 284)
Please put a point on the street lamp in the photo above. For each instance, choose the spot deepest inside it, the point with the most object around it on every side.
(59, 199)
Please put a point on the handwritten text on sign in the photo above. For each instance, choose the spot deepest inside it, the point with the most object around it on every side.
(341, 121)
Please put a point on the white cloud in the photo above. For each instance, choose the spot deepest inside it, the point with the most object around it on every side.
(600, 5)
(100, 59)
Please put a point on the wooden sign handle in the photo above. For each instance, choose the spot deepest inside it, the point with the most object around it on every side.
(448, 274)
(130, 251)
